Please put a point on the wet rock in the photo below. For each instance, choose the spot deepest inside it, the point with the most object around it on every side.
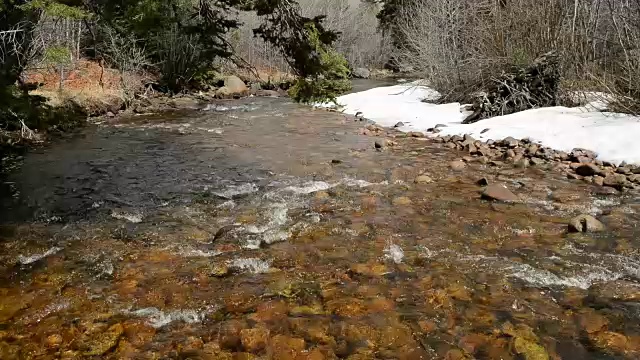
(398, 124)
(499, 192)
(336, 161)
(605, 191)
(457, 165)
(415, 134)
(585, 223)
(572, 176)
(450, 145)
(610, 341)
(615, 291)
(371, 269)
(439, 126)
(592, 322)
(529, 350)
(423, 179)
(53, 341)
(110, 114)
(346, 307)
(219, 270)
(286, 348)
(104, 342)
(254, 340)
(587, 169)
(625, 170)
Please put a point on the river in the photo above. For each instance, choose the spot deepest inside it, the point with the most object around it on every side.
(263, 229)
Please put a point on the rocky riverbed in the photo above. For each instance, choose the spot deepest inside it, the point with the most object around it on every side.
(267, 230)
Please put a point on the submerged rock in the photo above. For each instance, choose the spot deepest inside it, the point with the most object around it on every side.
(423, 179)
(585, 223)
(104, 342)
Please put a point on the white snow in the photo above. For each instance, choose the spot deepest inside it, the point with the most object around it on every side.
(614, 137)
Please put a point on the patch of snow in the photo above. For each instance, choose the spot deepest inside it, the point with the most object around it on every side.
(253, 265)
(26, 260)
(612, 136)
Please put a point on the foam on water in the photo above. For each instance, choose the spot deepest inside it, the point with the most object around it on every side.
(130, 217)
(309, 187)
(253, 265)
(198, 253)
(157, 318)
(394, 253)
(25, 260)
(235, 190)
(583, 279)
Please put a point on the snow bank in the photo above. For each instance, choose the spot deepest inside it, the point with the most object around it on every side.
(615, 137)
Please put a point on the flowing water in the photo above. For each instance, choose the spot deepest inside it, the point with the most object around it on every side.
(260, 229)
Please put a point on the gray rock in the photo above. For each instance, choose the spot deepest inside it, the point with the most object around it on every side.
(361, 73)
(456, 138)
(623, 170)
(509, 154)
(521, 162)
(484, 131)
(582, 153)
(235, 85)
(451, 145)
(615, 180)
(598, 180)
(398, 124)
(470, 148)
(378, 144)
(468, 137)
(589, 169)
(634, 178)
(499, 192)
(532, 149)
(572, 176)
(438, 126)
(510, 142)
(110, 114)
(585, 223)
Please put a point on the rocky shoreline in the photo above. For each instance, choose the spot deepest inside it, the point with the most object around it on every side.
(579, 164)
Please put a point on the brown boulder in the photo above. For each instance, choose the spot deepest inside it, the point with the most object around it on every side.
(585, 223)
(499, 192)
(590, 169)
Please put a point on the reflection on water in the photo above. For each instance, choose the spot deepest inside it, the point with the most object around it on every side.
(268, 230)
